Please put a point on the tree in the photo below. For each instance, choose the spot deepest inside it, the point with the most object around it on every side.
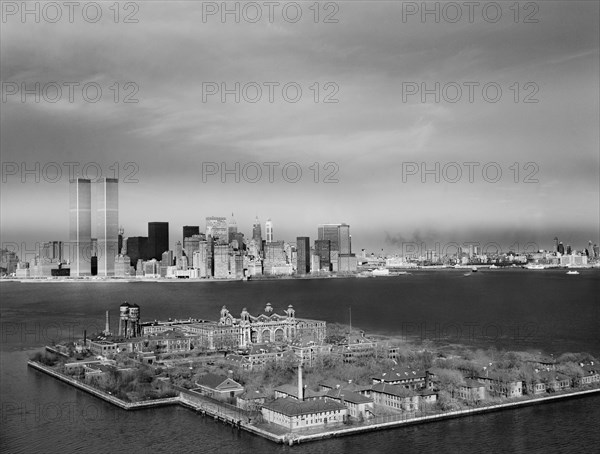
(573, 370)
(448, 380)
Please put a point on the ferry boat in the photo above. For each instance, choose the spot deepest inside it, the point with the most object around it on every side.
(572, 272)
(381, 272)
(534, 267)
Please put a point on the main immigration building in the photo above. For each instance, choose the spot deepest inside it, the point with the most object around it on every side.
(231, 332)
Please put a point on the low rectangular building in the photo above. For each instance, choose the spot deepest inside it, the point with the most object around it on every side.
(297, 414)
(472, 390)
(359, 406)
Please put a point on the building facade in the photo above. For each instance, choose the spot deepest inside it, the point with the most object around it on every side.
(158, 239)
(107, 224)
(80, 226)
(231, 332)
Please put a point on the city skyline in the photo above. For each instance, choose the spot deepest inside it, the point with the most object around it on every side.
(422, 239)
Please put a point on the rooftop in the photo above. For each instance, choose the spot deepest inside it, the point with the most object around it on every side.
(347, 395)
(293, 407)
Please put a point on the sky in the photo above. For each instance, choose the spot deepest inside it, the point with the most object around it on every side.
(516, 163)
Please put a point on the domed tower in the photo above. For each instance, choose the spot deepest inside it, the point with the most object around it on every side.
(290, 312)
(245, 316)
(123, 319)
(268, 309)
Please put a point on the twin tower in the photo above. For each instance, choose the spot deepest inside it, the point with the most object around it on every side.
(107, 225)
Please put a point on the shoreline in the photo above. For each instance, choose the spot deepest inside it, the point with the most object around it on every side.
(220, 413)
(360, 275)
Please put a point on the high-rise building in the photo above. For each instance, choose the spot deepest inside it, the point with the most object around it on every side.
(166, 258)
(239, 238)
(555, 244)
(338, 235)
(192, 244)
(201, 260)
(561, 248)
(216, 226)
(179, 256)
(303, 255)
(107, 224)
(344, 236)
(231, 229)
(257, 233)
(80, 226)
(323, 251)
(51, 251)
(120, 240)
(189, 231)
(158, 239)
(275, 259)
(269, 230)
(137, 249)
(221, 261)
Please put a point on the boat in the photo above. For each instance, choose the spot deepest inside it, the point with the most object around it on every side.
(381, 272)
(474, 269)
(534, 267)
(494, 267)
(572, 272)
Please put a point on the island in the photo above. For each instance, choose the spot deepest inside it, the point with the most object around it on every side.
(293, 380)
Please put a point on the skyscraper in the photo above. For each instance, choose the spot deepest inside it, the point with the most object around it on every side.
(555, 244)
(330, 232)
(323, 250)
(344, 235)
(107, 224)
(303, 255)
(158, 239)
(231, 229)
(137, 248)
(189, 230)
(257, 232)
(120, 245)
(338, 235)
(216, 226)
(269, 230)
(80, 226)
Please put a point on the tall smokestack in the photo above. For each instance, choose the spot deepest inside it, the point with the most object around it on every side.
(300, 388)
(84, 337)
(107, 327)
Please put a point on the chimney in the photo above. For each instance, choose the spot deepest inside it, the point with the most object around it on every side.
(84, 337)
(300, 387)
(107, 327)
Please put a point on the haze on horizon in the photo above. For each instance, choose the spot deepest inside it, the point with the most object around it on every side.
(371, 134)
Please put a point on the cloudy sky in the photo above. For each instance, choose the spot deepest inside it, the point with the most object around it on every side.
(374, 145)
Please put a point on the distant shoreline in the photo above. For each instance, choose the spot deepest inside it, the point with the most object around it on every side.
(360, 275)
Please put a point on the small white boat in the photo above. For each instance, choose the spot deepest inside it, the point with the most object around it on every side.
(572, 272)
